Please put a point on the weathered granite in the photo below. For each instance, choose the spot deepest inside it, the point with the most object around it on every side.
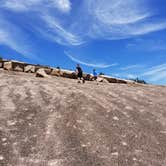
(29, 69)
(113, 80)
(56, 72)
(57, 122)
(1, 64)
(14, 65)
(68, 74)
(42, 73)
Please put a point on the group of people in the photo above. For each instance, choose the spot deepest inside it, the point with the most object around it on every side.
(79, 73)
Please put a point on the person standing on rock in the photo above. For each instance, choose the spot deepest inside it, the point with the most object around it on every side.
(79, 72)
(94, 75)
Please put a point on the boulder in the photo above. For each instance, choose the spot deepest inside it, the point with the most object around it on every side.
(113, 80)
(1, 64)
(130, 82)
(99, 79)
(18, 68)
(109, 79)
(41, 73)
(120, 81)
(8, 66)
(48, 70)
(56, 72)
(68, 74)
(14, 65)
(29, 69)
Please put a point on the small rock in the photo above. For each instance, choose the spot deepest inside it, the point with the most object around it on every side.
(128, 108)
(115, 118)
(115, 154)
(134, 159)
(11, 123)
(163, 132)
(4, 139)
(1, 157)
(124, 143)
(4, 144)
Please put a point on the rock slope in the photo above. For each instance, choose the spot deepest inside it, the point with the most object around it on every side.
(57, 122)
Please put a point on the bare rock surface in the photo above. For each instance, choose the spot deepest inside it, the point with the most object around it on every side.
(57, 122)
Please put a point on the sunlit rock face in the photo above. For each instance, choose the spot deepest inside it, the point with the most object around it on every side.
(58, 122)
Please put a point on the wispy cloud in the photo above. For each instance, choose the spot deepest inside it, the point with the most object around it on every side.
(12, 36)
(95, 19)
(58, 22)
(57, 33)
(121, 19)
(126, 75)
(131, 67)
(156, 73)
(97, 65)
(63, 5)
(147, 45)
(21, 6)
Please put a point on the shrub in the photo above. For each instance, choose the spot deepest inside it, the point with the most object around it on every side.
(101, 73)
(139, 81)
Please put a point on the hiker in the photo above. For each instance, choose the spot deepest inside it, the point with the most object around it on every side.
(94, 75)
(79, 73)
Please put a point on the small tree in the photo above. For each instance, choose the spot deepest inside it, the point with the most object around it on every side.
(1, 58)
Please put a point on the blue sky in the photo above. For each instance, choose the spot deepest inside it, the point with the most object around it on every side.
(125, 39)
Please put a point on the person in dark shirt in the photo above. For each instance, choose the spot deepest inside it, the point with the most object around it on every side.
(79, 73)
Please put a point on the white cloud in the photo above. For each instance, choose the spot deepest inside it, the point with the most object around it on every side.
(117, 19)
(11, 36)
(51, 28)
(148, 28)
(147, 45)
(156, 73)
(63, 5)
(20, 5)
(94, 19)
(115, 12)
(57, 33)
(131, 76)
(125, 75)
(90, 64)
(108, 19)
(131, 67)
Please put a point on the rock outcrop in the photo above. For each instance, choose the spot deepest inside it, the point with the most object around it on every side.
(56, 72)
(68, 74)
(113, 80)
(57, 122)
(14, 66)
(1, 64)
(42, 73)
(29, 69)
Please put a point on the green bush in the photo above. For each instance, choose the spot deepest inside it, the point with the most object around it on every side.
(139, 81)
(1, 58)
(101, 73)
